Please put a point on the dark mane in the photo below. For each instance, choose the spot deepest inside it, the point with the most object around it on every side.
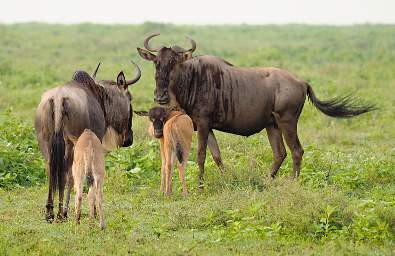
(86, 81)
(221, 59)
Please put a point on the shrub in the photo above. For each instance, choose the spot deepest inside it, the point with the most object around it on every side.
(21, 163)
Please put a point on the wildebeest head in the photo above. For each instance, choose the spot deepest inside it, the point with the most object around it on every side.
(118, 107)
(165, 61)
(157, 115)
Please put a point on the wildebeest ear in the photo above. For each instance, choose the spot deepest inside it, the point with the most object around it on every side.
(121, 81)
(141, 113)
(146, 54)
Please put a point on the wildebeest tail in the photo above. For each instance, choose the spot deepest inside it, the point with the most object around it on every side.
(57, 149)
(341, 107)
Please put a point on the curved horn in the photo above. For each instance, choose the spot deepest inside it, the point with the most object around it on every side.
(137, 77)
(146, 43)
(95, 72)
(193, 43)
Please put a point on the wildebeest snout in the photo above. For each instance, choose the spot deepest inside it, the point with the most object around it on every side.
(162, 97)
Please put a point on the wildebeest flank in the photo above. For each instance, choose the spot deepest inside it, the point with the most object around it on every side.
(243, 101)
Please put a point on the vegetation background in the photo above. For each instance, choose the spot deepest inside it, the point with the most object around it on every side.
(343, 203)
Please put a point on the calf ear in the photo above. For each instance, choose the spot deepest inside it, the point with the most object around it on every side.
(146, 54)
(121, 81)
(141, 113)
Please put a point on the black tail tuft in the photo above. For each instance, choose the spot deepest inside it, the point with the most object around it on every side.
(179, 152)
(341, 107)
(57, 168)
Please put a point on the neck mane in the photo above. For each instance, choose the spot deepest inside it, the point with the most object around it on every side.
(185, 85)
(84, 80)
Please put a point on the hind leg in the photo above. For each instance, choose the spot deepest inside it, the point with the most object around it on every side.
(181, 172)
(50, 214)
(276, 142)
(170, 159)
(92, 201)
(78, 185)
(70, 181)
(288, 125)
(99, 201)
(61, 195)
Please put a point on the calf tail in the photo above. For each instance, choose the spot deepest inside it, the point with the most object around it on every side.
(89, 163)
(340, 107)
(57, 148)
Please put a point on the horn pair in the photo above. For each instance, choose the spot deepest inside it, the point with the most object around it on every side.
(128, 82)
(146, 44)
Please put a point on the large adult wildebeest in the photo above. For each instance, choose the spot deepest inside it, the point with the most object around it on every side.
(238, 100)
(103, 106)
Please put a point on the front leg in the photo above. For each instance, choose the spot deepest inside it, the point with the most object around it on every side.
(203, 132)
(214, 149)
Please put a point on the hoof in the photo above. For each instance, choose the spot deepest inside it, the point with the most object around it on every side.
(50, 217)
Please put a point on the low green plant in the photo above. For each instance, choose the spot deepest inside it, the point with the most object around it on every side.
(21, 163)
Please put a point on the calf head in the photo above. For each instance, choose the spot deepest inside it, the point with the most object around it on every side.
(118, 109)
(165, 61)
(157, 116)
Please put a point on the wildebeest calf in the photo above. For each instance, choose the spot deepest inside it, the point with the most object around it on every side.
(174, 129)
(89, 163)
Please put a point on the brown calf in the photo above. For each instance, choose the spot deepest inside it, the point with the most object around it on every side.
(174, 130)
(89, 163)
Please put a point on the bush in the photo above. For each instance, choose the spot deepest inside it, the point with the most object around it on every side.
(21, 163)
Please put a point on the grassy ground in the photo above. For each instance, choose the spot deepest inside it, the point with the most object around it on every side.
(342, 204)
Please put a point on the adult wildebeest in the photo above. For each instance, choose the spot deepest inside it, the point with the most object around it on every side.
(66, 111)
(243, 101)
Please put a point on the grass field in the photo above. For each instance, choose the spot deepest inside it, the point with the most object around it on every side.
(343, 203)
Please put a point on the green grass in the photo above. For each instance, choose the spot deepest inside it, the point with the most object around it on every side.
(343, 203)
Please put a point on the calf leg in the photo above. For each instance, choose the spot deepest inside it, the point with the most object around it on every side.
(181, 172)
(163, 166)
(288, 125)
(92, 201)
(99, 202)
(170, 157)
(78, 184)
(214, 149)
(203, 132)
(278, 148)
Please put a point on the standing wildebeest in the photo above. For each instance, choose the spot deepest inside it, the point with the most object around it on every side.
(174, 130)
(243, 101)
(65, 111)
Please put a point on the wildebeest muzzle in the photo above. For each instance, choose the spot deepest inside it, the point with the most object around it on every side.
(162, 97)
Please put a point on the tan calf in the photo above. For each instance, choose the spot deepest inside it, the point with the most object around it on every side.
(174, 130)
(89, 163)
